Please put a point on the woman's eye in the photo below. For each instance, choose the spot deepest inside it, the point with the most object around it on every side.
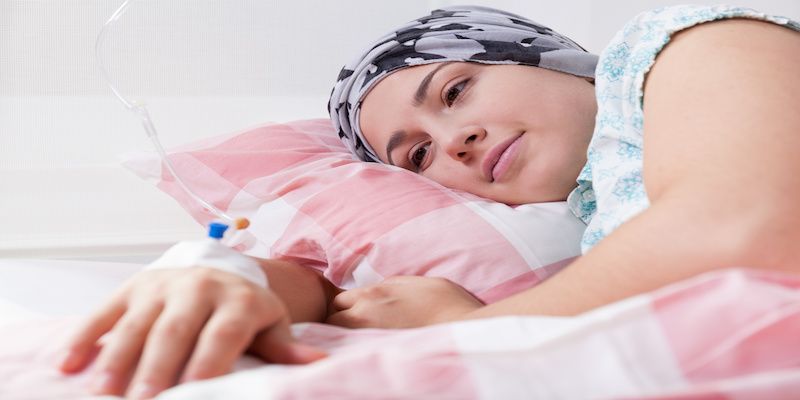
(452, 94)
(418, 155)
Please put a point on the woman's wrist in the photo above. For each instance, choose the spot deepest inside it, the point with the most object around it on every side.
(210, 253)
(304, 291)
(460, 313)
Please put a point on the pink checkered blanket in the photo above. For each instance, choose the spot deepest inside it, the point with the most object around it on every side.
(732, 334)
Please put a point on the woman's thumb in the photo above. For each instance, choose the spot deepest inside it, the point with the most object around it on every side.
(276, 345)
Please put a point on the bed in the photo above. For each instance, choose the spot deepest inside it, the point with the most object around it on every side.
(732, 334)
(728, 335)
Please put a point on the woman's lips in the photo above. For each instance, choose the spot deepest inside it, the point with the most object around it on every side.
(500, 158)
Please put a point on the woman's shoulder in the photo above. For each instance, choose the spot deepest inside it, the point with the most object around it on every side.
(634, 47)
(611, 186)
(660, 23)
(630, 54)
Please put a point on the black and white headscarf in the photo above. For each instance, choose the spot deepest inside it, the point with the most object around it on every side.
(461, 33)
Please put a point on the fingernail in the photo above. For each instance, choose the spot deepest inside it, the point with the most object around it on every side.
(142, 391)
(66, 361)
(101, 383)
(308, 353)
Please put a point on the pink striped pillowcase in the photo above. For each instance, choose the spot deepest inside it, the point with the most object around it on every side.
(308, 200)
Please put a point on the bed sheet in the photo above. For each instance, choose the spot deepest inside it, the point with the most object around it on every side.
(727, 335)
(58, 287)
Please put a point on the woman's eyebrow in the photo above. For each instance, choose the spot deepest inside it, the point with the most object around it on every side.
(397, 138)
(422, 90)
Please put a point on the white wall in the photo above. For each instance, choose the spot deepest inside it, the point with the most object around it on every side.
(593, 23)
(204, 67)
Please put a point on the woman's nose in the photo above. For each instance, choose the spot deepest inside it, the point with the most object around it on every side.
(461, 143)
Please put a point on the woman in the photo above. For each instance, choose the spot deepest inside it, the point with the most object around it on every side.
(689, 168)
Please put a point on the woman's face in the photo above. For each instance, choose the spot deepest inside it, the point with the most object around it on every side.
(510, 133)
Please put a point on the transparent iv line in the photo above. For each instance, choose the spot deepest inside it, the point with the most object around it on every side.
(140, 109)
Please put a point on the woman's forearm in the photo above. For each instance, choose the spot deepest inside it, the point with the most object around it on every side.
(304, 291)
(664, 244)
(719, 168)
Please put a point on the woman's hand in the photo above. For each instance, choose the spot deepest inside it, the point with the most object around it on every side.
(170, 326)
(402, 302)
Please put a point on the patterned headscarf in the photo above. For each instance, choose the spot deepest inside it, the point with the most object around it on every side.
(461, 33)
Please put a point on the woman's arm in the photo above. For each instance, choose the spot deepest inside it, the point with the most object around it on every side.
(191, 324)
(721, 165)
(305, 291)
(721, 170)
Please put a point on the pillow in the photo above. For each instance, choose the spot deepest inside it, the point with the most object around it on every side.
(308, 200)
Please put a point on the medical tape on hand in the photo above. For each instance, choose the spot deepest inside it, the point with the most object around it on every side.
(210, 253)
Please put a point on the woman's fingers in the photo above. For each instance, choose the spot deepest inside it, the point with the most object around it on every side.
(276, 344)
(345, 319)
(169, 344)
(83, 343)
(347, 306)
(260, 315)
(196, 323)
(223, 341)
(402, 302)
(348, 298)
(119, 355)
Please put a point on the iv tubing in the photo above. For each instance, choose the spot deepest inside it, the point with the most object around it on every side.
(140, 110)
